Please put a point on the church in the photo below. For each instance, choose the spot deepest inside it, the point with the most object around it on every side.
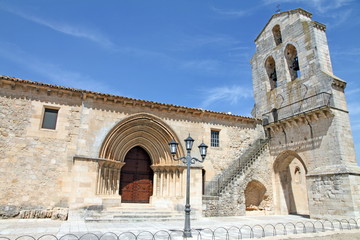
(72, 153)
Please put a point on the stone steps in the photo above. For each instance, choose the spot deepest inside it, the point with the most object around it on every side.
(241, 173)
(134, 213)
(134, 219)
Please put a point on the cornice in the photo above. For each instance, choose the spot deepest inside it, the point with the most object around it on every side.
(301, 119)
(338, 83)
(318, 25)
(85, 94)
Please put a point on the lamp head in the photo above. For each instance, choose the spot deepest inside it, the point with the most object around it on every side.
(173, 146)
(189, 143)
(203, 149)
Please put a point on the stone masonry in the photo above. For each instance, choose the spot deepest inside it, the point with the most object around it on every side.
(304, 112)
(44, 169)
(306, 165)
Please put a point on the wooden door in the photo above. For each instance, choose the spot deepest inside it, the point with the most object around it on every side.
(136, 177)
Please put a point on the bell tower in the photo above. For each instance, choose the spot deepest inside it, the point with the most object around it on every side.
(304, 112)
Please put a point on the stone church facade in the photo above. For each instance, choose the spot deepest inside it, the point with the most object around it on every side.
(72, 150)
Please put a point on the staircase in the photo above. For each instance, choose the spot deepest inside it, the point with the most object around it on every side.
(134, 213)
(237, 169)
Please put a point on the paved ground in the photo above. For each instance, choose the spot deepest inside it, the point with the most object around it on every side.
(13, 228)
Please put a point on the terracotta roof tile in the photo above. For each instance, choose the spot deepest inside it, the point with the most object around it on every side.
(23, 81)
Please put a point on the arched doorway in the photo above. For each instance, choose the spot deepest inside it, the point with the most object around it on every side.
(136, 178)
(152, 135)
(290, 184)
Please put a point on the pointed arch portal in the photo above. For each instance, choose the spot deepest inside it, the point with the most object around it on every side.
(136, 164)
(290, 184)
(144, 130)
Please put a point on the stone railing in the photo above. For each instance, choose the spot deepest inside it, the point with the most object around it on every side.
(308, 104)
(214, 188)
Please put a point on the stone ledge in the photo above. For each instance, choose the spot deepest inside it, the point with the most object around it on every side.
(334, 170)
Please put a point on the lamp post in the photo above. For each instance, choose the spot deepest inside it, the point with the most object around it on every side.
(188, 160)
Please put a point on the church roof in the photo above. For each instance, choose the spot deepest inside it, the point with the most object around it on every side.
(128, 101)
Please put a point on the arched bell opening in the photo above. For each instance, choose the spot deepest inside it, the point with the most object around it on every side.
(271, 72)
(292, 61)
(277, 34)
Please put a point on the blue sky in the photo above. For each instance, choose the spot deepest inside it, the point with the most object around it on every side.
(183, 52)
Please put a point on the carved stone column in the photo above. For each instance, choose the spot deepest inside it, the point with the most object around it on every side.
(109, 177)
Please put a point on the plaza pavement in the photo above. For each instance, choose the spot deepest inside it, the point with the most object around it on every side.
(13, 228)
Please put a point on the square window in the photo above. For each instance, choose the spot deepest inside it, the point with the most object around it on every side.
(215, 138)
(50, 118)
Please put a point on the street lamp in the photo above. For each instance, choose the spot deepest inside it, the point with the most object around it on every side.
(188, 160)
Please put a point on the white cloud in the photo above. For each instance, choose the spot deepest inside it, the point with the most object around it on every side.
(354, 108)
(352, 91)
(340, 16)
(52, 73)
(350, 52)
(232, 13)
(208, 40)
(207, 65)
(320, 5)
(236, 13)
(65, 28)
(355, 127)
(227, 94)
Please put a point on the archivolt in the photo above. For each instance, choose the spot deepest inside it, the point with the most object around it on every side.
(285, 158)
(144, 130)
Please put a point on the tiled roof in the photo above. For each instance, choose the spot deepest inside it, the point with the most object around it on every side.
(125, 99)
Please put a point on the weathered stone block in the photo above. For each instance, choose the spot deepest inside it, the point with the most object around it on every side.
(9, 211)
(60, 214)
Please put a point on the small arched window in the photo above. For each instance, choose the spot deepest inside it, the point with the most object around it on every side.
(277, 34)
(292, 61)
(271, 71)
(297, 175)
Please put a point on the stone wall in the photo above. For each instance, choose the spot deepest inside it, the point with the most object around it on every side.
(231, 201)
(334, 196)
(42, 169)
(98, 118)
(35, 162)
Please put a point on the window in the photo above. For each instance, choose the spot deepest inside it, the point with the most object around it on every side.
(50, 117)
(297, 174)
(215, 138)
